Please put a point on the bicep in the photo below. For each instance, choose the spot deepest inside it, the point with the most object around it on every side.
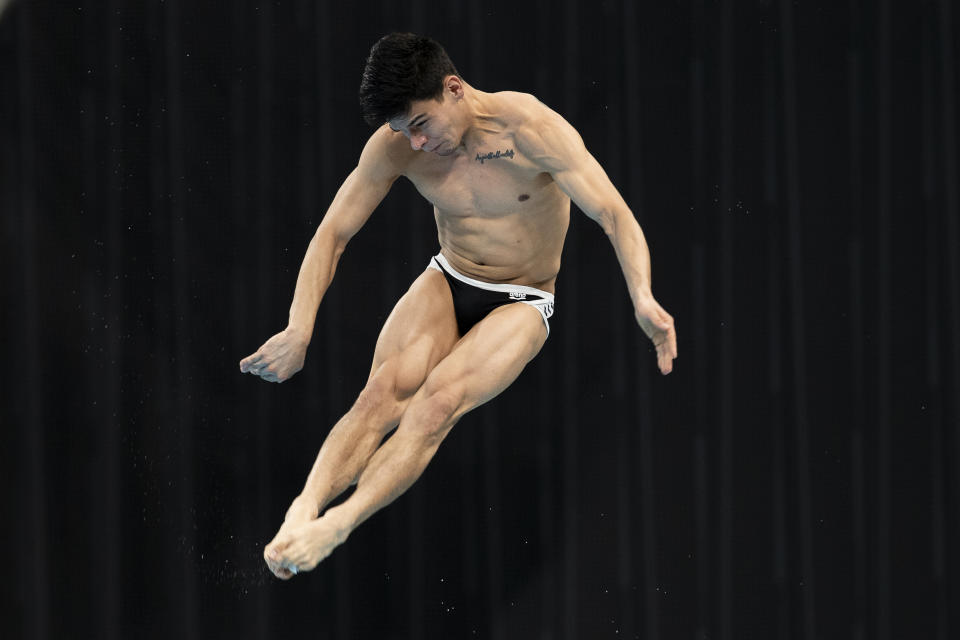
(560, 150)
(587, 184)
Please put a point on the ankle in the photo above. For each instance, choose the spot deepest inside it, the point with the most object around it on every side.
(341, 520)
(304, 504)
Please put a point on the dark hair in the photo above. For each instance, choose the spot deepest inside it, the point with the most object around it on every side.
(402, 68)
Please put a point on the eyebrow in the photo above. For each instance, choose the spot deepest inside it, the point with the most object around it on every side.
(409, 124)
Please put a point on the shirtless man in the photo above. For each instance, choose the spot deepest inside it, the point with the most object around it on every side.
(500, 170)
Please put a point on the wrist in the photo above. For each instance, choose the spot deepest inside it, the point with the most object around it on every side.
(301, 332)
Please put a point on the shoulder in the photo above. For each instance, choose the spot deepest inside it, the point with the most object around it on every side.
(542, 134)
(386, 151)
(523, 110)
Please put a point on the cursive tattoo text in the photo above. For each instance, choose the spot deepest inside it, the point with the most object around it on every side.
(493, 155)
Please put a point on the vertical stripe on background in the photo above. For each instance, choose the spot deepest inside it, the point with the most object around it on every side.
(859, 623)
(470, 520)
(36, 559)
(110, 436)
(571, 345)
(471, 510)
(703, 562)
(776, 408)
(884, 312)
(186, 580)
(798, 350)
(857, 455)
(931, 283)
(726, 507)
(415, 560)
(492, 508)
(648, 515)
(948, 134)
(163, 374)
(855, 288)
(93, 296)
(701, 468)
(15, 456)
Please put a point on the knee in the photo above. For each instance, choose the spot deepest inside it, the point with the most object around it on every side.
(433, 414)
(378, 397)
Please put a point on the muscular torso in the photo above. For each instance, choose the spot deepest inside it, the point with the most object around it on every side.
(499, 219)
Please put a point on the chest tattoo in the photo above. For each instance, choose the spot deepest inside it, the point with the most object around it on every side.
(494, 155)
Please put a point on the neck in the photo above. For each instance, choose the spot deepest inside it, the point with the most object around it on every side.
(479, 115)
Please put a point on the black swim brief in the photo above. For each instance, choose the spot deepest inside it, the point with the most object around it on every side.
(474, 299)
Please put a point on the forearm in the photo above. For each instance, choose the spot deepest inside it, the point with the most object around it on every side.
(632, 253)
(316, 274)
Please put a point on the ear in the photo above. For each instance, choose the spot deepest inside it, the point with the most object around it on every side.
(454, 85)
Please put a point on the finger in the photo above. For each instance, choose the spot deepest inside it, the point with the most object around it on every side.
(250, 361)
(665, 363)
(279, 570)
(259, 369)
(278, 545)
(270, 558)
(272, 566)
(278, 567)
(274, 552)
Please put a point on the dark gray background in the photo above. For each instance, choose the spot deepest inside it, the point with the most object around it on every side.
(794, 167)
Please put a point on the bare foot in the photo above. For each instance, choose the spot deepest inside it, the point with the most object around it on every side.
(302, 548)
(301, 511)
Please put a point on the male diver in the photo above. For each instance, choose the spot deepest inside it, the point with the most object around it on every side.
(500, 170)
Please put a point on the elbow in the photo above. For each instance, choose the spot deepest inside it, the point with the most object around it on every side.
(331, 242)
(611, 219)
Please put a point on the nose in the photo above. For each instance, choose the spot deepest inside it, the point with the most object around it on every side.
(418, 141)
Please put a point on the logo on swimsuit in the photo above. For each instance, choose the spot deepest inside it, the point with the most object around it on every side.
(518, 295)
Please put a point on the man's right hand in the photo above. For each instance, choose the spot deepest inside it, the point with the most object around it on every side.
(279, 358)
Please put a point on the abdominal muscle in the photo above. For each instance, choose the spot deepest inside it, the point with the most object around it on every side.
(521, 248)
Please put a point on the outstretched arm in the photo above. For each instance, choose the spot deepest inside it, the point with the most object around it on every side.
(283, 354)
(555, 145)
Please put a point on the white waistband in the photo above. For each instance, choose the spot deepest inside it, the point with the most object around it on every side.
(489, 286)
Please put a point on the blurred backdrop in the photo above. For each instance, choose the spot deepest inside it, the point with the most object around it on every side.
(794, 167)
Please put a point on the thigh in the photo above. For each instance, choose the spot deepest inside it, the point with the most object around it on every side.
(419, 332)
(488, 359)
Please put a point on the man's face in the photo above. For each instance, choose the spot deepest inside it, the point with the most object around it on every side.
(431, 125)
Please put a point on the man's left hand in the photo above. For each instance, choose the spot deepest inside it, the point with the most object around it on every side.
(658, 325)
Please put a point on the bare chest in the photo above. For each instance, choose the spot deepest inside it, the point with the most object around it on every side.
(491, 181)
